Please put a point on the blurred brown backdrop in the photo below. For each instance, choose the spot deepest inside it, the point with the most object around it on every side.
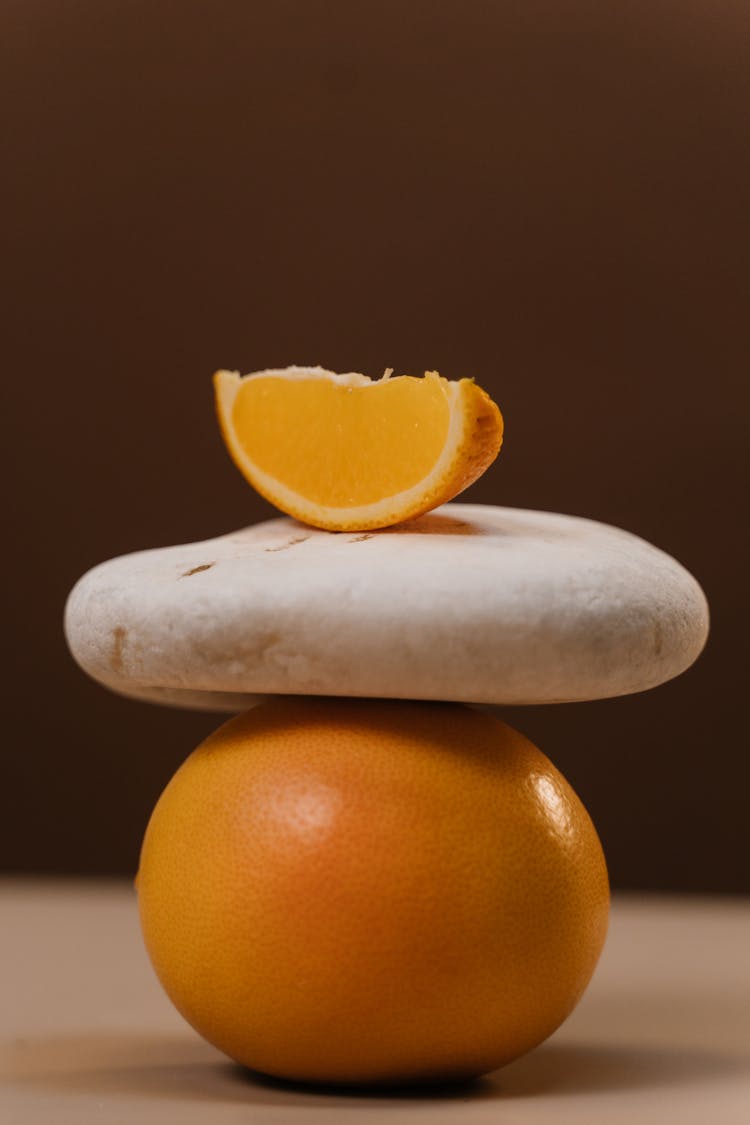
(549, 195)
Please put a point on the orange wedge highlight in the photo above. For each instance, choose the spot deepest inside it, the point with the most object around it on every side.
(348, 453)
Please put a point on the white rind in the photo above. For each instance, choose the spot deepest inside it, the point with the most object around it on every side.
(469, 603)
(344, 379)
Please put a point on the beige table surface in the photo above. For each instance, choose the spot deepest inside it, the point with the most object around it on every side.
(662, 1036)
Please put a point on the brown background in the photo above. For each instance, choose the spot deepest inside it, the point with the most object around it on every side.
(550, 196)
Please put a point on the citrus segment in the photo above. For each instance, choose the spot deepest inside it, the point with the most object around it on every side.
(347, 453)
(352, 890)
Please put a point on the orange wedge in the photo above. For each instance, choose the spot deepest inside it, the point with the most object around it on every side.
(348, 453)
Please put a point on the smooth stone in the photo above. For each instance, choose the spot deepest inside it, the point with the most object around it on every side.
(469, 603)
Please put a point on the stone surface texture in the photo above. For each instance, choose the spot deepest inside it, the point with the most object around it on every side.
(469, 603)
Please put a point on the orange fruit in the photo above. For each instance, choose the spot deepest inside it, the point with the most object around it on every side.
(345, 453)
(361, 891)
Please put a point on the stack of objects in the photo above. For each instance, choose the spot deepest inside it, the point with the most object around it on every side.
(366, 877)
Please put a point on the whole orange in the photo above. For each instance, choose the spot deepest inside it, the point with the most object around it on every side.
(361, 891)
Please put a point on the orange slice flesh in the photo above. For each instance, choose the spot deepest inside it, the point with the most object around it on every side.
(347, 453)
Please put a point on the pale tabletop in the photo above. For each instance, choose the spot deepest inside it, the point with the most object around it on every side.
(663, 1034)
